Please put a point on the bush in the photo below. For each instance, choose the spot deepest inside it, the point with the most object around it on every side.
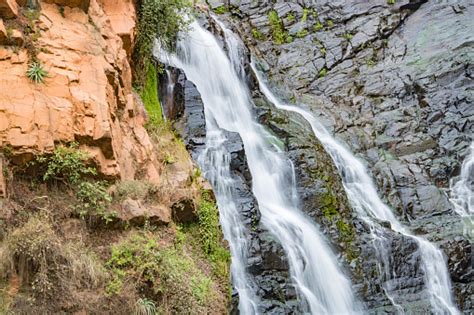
(68, 165)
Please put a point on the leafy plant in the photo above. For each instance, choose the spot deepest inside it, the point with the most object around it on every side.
(94, 200)
(36, 72)
(66, 164)
(329, 23)
(391, 2)
(145, 306)
(291, 17)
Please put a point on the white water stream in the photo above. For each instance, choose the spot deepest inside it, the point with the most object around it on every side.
(462, 193)
(314, 268)
(365, 201)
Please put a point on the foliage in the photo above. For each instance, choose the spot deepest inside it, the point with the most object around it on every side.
(68, 164)
(391, 2)
(302, 33)
(291, 17)
(36, 72)
(168, 275)
(329, 23)
(257, 34)
(145, 307)
(161, 20)
(280, 35)
(149, 96)
(322, 72)
(304, 18)
(220, 10)
(94, 200)
(211, 236)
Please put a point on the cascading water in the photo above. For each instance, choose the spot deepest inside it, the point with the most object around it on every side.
(364, 200)
(462, 193)
(314, 270)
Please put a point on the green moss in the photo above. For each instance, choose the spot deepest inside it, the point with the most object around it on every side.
(257, 34)
(221, 9)
(318, 26)
(304, 18)
(391, 2)
(279, 34)
(302, 33)
(329, 23)
(211, 236)
(322, 72)
(348, 36)
(149, 95)
(291, 17)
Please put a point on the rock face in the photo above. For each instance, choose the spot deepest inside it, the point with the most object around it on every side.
(394, 82)
(87, 95)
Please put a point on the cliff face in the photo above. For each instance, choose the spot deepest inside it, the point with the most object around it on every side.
(87, 95)
(393, 80)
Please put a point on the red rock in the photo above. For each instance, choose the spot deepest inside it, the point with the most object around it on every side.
(8, 9)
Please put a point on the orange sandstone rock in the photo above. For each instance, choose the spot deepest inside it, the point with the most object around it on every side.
(87, 96)
(8, 9)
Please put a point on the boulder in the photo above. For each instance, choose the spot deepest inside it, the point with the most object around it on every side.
(134, 212)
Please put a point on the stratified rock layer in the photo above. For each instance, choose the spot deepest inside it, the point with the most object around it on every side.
(87, 96)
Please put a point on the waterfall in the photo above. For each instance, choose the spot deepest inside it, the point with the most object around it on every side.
(365, 201)
(462, 193)
(227, 103)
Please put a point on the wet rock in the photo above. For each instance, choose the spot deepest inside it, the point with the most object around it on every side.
(397, 91)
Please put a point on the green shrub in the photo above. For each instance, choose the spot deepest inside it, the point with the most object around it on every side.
(145, 307)
(391, 2)
(279, 34)
(94, 200)
(66, 164)
(36, 72)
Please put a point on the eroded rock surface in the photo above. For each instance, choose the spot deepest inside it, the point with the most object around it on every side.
(394, 82)
(87, 96)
